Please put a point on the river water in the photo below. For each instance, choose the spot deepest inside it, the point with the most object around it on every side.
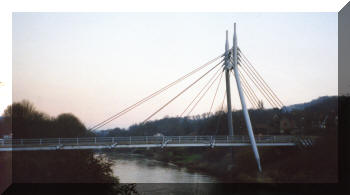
(156, 177)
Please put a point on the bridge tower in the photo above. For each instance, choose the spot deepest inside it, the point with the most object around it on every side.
(227, 67)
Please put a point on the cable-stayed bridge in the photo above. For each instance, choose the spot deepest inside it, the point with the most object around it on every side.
(233, 62)
(79, 143)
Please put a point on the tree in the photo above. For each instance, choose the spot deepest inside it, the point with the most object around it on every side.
(69, 126)
(62, 166)
(27, 122)
(260, 105)
(23, 109)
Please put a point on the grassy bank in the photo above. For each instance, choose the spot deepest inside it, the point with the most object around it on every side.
(280, 164)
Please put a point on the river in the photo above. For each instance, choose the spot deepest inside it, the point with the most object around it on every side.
(156, 177)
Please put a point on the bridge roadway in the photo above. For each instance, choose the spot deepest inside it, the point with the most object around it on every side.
(148, 142)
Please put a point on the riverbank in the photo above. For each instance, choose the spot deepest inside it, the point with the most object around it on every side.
(216, 162)
(280, 164)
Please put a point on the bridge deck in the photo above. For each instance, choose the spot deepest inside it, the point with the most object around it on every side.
(142, 142)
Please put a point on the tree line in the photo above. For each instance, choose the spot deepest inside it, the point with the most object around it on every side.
(265, 121)
(61, 166)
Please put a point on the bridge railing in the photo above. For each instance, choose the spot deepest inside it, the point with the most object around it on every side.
(135, 140)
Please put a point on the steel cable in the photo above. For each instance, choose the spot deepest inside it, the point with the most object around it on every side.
(259, 82)
(204, 94)
(247, 94)
(257, 73)
(108, 120)
(259, 88)
(250, 90)
(201, 91)
(180, 93)
(212, 103)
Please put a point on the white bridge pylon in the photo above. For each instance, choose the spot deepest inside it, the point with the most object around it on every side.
(231, 55)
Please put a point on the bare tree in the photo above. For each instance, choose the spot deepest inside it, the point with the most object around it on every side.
(260, 105)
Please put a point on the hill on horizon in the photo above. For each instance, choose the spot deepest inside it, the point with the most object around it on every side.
(188, 125)
(304, 105)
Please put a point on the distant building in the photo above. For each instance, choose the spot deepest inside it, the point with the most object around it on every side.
(336, 120)
(261, 128)
(8, 136)
(287, 124)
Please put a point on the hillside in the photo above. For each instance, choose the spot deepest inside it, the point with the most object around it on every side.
(307, 118)
(316, 101)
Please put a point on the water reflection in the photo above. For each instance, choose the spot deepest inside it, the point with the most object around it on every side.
(131, 168)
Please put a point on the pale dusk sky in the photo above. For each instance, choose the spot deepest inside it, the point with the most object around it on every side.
(95, 64)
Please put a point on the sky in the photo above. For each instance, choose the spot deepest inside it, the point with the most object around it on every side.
(94, 65)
